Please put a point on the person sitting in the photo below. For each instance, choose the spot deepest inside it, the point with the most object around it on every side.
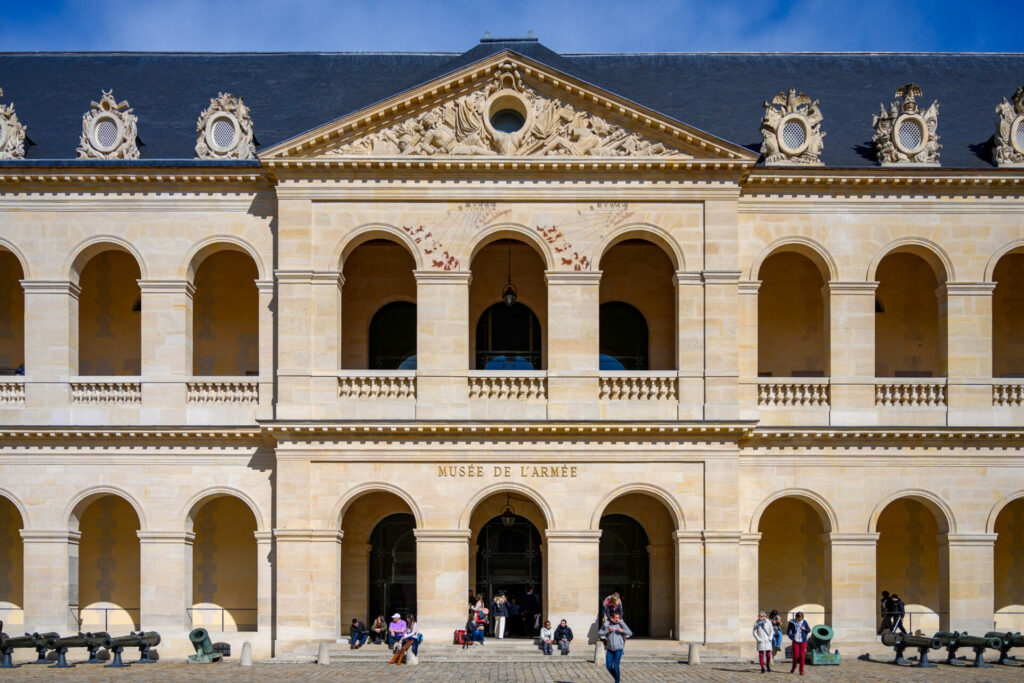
(396, 629)
(474, 630)
(547, 637)
(412, 634)
(357, 635)
(379, 630)
(563, 636)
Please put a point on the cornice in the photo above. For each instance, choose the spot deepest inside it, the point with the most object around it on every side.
(572, 536)
(843, 181)
(442, 535)
(768, 436)
(118, 434)
(176, 178)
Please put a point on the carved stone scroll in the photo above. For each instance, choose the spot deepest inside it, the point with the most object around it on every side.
(12, 133)
(906, 135)
(791, 131)
(1008, 147)
(109, 130)
(224, 130)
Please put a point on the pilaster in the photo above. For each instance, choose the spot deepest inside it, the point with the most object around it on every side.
(442, 344)
(690, 616)
(748, 348)
(721, 344)
(851, 313)
(294, 343)
(50, 579)
(971, 598)
(166, 348)
(265, 336)
(749, 579)
(165, 580)
(442, 559)
(722, 580)
(573, 568)
(51, 349)
(850, 583)
(968, 321)
(264, 582)
(308, 585)
(573, 344)
(690, 343)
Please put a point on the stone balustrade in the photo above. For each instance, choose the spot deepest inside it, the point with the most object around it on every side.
(910, 393)
(638, 386)
(106, 390)
(377, 384)
(798, 392)
(511, 385)
(244, 390)
(1008, 394)
(12, 391)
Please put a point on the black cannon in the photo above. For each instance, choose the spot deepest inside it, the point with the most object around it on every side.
(92, 641)
(901, 641)
(141, 640)
(956, 640)
(1006, 641)
(35, 640)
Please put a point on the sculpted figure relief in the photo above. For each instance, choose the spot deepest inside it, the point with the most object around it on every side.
(791, 130)
(12, 133)
(1008, 147)
(906, 135)
(460, 128)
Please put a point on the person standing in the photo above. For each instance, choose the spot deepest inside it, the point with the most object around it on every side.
(357, 635)
(531, 612)
(500, 612)
(513, 617)
(614, 633)
(563, 636)
(798, 631)
(886, 624)
(763, 636)
(899, 612)
(776, 621)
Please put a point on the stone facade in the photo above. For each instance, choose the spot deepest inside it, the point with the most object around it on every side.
(191, 444)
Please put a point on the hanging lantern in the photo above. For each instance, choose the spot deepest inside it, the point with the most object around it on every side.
(508, 514)
(509, 294)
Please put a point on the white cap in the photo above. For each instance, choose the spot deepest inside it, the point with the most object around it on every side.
(396, 615)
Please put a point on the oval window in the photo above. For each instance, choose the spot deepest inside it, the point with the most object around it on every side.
(508, 121)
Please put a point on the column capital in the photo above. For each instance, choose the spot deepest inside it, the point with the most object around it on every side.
(721, 277)
(263, 536)
(749, 287)
(851, 539)
(572, 536)
(327, 277)
(50, 536)
(265, 286)
(308, 535)
(724, 536)
(750, 538)
(573, 277)
(51, 287)
(696, 537)
(167, 287)
(981, 540)
(836, 287)
(443, 277)
(291, 276)
(442, 535)
(968, 288)
(166, 537)
(687, 277)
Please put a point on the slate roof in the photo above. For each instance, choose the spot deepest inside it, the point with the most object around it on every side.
(721, 93)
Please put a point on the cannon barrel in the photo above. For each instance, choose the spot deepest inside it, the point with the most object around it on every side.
(899, 639)
(978, 641)
(27, 640)
(201, 641)
(148, 638)
(1009, 639)
(90, 640)
(820, 638)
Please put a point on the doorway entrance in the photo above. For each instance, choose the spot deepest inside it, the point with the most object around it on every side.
(625, 569)
(509, 561)
(393, 567)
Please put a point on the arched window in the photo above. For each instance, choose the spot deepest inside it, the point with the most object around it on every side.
(1008, 317)
(508, 338)
(12, 316)
(225, 316)
(792, 326)
(623, 337)
(393, 337)
(110, 316)
(910, 330)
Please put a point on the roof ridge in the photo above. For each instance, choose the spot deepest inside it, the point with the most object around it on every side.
(215, 53)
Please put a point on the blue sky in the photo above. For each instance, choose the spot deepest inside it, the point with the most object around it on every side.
(456, 25)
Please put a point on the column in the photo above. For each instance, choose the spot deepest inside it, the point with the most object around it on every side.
(748, 349)
(968, 325)
(264, 585)
(573, 344)
(850, 561)
(573, 576)
(690, 626)
(165, 581)
(50, 580)
(722, 580)
(851, 315)
(442, 344)
(166, 349)
(968, 593)
(308, 586)
(721, 309)
(294, 343)
(51, 349)
(749, 577)
(267, 313)
(662, 601)
(442, 560)
(690, 343)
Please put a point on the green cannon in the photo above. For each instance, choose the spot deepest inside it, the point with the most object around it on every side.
(818, 647)
(35, 640)
(955, 640)
(1006, 641)
(205, 653)
(901, 641)
(142, 640)
(92, 641)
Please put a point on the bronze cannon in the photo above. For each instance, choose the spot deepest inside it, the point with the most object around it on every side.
(901, 641)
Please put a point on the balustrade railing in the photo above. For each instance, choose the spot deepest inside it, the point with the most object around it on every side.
(524, 385)
(793, 393)
(12, 392)
(1008, 394)
(106, 391)
(211, 617)
(224, 390)
(916, 393)
(381, 384)
(638, 386)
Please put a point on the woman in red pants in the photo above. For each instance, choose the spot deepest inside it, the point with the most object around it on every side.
(798, 630)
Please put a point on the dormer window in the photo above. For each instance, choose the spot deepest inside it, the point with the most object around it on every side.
(224, 130)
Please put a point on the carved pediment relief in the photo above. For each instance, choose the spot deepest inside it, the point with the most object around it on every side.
(505, 107)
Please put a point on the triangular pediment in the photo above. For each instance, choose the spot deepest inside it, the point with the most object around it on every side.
(558, 117)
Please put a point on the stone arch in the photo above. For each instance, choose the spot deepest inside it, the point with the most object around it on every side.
(74, 511)
(814, 251)
(511, 487)
(934, 255)
(937, 506)
(371, 231)
(7, 245)
(187, 516)
(97, 244)
(993, 515)
(990, 267)
(647, 232)
(205, 248)
(338, 512)
(19, 506)
(656, 492)
(511, 231)
(829, 519)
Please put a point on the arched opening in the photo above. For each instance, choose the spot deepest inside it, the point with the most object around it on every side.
(393, 337)
(1009, 568)
(12, 317)
(378, 307)
(378, 558)
(791, 563)
(911, 564)
(507, 557)
(12, 585)
(508, 301)
(792, 324)
(225, 316)
(624, 337)
(637, 274)
(107, 577)
(910, 337)
(110, 316)
(224, 566)
(637, 561)
(1008, 317)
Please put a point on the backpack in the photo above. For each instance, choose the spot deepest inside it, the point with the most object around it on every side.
(459, 638)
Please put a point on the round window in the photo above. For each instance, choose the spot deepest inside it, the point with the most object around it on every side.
(1018, 134)
(106, 133)
(222, 132)
(793, 135)
(910, 135)
(508, 121)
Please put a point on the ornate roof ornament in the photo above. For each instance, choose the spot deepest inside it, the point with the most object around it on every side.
(905, 135)
(12, 132)
(509, 119)
(224, 130)
(1008, 149)
(791, 129)
(109, 130)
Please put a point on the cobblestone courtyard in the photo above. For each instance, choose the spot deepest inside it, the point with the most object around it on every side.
(633, 670)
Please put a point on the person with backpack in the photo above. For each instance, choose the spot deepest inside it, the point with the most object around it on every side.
(899, 612)
(886, 624)
(614, 633)
(563, 636)
(798, 630)
(500, 612)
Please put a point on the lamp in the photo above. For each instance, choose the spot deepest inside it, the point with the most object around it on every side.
(509, 294)
(508, 514)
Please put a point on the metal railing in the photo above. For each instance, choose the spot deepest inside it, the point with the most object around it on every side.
(908, 618)
(998, 615)
(134, 613)
(239, 626)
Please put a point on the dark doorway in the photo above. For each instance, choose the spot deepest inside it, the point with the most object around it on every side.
(623, 337)
(508, 560)
(624, 568)
(393, 566)
(508, 338)
(393, 337)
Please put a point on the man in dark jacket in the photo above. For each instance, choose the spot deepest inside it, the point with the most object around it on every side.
(357, 634)
(900, 611)
(563, 636)
(530, 609)
(886, 624)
